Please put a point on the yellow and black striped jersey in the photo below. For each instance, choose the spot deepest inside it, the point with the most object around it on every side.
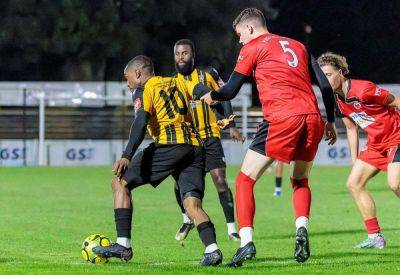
(204, 117)
(167, 102)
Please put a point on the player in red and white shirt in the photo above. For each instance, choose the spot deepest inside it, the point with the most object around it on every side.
(362, 104)
(292, 126)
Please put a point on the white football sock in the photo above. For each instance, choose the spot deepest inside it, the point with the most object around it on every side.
(124, 242)
(231, 228)
(246, 235)
(278, 189)
(186, 218)
(211, 248)
(301, 222)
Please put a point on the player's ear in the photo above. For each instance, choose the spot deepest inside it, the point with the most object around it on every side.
(138, 73)
(250, 28)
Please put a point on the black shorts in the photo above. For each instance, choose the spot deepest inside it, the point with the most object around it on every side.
(158, 161)
(258, 143)
(214, 153)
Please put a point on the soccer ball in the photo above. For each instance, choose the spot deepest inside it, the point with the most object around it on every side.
(93, 241)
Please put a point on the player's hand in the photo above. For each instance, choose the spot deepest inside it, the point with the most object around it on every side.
(222, 123)
(207, 98)
(236, 136)
(330, 133)
(120, 166)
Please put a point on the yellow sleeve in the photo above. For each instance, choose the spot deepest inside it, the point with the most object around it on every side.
(148, 100)
(211, 82)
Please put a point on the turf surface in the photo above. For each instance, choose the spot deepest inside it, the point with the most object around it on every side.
(47, 212)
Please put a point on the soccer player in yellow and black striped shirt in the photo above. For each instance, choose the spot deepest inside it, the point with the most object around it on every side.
(205, 120)
(161, 106)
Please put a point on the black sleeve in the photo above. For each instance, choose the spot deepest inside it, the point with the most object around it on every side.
(137, 133)
(231, 88)
(326, 89)
(218, 111)
(138, 127)
(199, 90)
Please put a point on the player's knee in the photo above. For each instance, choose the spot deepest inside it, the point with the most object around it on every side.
(119, 186)
(191, 205)
(221, 184)
(299, 183)
(252, 172)
(114, 184)
(354, 185)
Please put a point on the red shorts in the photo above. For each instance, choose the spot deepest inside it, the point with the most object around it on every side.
(380, 158)
(292, 138)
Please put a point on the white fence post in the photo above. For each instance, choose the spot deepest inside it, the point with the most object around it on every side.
(42, 104)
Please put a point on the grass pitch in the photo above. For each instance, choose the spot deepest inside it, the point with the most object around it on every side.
(45, 214)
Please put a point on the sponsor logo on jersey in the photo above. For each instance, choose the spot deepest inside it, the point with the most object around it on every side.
(378, 92)
(362, 119)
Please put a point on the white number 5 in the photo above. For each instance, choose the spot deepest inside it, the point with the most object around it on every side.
(286, 49)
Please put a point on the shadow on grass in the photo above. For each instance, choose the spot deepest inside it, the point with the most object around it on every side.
(324, 233)
(320, 260)
(356, 253)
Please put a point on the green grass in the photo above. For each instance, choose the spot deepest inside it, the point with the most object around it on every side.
(45, 214)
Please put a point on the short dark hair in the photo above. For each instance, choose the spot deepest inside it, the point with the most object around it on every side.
(141, 62)
(250, 14)
(185, 42)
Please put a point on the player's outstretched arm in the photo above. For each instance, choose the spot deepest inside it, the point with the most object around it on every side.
(137, 133)
(352, 137)
(228, 91)
(136, 136)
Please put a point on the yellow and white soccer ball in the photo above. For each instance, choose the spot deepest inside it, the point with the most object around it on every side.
(93, 241)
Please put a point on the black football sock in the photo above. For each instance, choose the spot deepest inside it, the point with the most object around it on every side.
(123, 221)
(207, 233)
(278, 182)
(226, 200)
(178, 198)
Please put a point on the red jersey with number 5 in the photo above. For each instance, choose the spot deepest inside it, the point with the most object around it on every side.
(280, 68)
(365, 104)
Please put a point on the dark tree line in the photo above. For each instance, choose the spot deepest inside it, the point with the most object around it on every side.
(94, 39)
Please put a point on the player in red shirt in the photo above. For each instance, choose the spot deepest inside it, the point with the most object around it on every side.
(292, 126)
(363, 104)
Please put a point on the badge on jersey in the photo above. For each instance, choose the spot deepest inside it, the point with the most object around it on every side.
(362, 119)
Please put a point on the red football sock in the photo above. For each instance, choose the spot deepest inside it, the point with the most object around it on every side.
(301, 197)
(245, 204)
(372, 226)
